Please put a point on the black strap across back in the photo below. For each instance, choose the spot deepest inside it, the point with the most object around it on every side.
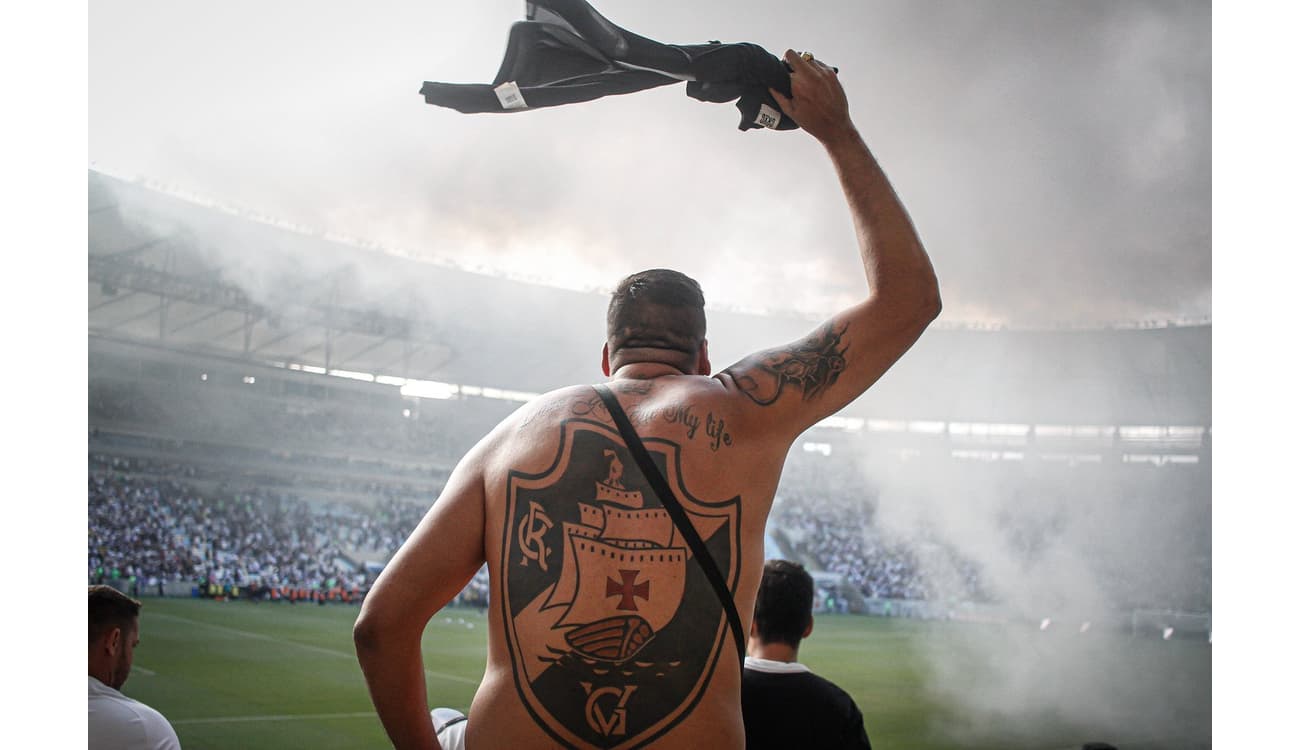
(677, 512)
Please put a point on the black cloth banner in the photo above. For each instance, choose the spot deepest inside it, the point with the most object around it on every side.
(566, 52)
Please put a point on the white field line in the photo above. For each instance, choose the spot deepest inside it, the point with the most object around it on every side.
(135, 668)
(309, 647)
(282, 717)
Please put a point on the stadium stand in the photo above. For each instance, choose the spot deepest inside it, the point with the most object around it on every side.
(285, 426)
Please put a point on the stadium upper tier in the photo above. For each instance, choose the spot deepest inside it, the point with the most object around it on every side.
(201, 278)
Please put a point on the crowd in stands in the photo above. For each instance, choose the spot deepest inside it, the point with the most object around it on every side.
(228, 487)
(131, 525)
(155, 530)
(149, 523)
(154, 522)
(292, 473)
(299, 480)
(824, 511)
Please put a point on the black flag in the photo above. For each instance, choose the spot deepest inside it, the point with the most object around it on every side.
(566, 52)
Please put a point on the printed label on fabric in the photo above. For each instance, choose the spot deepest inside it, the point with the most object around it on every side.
(768, 117)
(509, 96)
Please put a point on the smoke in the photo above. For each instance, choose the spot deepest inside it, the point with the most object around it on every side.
(1055, 155)
(1066, 553)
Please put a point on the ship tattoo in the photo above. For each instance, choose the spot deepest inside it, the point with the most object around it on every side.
(613, 629)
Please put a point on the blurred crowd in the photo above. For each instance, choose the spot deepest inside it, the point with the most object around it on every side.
(154, 522)
(153, 530)
(825, 515)
(290, 479)
(151, 523)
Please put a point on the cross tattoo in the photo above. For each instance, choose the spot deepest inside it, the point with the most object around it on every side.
(628, 589)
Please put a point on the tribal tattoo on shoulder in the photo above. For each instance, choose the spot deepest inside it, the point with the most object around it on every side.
(614, 631)
(809, 365)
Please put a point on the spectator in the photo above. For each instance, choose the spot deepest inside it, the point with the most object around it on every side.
(117, 722)
(786, 705)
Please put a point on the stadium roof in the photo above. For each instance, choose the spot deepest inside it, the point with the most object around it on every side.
(203, 279)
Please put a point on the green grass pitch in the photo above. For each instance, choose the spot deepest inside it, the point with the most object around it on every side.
(273, 675)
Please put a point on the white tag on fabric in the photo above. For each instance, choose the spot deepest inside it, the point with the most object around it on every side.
(768, 117)
(509, 95)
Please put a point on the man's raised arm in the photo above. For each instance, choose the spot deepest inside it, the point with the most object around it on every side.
(798, 384)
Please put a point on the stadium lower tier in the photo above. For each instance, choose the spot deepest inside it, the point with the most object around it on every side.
(158, 524)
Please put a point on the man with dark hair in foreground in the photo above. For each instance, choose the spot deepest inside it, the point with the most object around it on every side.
(605, 630)
(117, 722)
(785, 704)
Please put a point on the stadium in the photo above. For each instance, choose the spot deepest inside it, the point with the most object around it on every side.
(358, 358)
(1010, 531)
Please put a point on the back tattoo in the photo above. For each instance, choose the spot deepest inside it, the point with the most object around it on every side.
(614, 632)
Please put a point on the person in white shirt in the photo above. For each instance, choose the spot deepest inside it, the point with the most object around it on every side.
(117, 722)
(784, 704)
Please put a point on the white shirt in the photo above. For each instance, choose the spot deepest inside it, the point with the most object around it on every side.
(120, 723)
(774, 667)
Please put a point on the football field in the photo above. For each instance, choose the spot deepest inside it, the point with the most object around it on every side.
(274, 675)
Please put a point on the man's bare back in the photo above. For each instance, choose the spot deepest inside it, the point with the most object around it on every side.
(603, 626)
(603, 631)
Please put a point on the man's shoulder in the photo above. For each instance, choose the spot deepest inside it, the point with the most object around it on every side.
(828, 716)
(830, 687)
(831, 716)
(111, 713)
(583, 400)
(805, 681)
(569, 394)
(124, 705)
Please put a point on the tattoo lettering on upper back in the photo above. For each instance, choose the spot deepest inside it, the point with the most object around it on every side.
(636, 387)
(810, 365)
(591, 406)
(715, 427)
(542, 412)
(585, 406)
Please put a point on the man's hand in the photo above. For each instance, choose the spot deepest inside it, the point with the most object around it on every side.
(817, 100)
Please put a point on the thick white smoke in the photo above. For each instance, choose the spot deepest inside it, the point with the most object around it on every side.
(1065, 553)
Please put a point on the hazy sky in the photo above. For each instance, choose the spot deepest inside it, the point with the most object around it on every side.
(1054, 156)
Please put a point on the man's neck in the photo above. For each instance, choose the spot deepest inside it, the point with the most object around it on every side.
(774, 651)
(645, 371)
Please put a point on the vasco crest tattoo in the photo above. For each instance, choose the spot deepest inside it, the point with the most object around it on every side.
(613, 629)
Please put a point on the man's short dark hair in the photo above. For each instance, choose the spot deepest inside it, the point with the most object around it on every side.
(783, 608)
(659, 308)
(110, 608)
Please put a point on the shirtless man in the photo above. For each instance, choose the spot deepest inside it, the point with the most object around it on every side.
(603, 632)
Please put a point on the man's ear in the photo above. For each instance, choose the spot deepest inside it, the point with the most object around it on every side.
(604, 359)
(113, 640)
(703, 366)
(808, 630)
